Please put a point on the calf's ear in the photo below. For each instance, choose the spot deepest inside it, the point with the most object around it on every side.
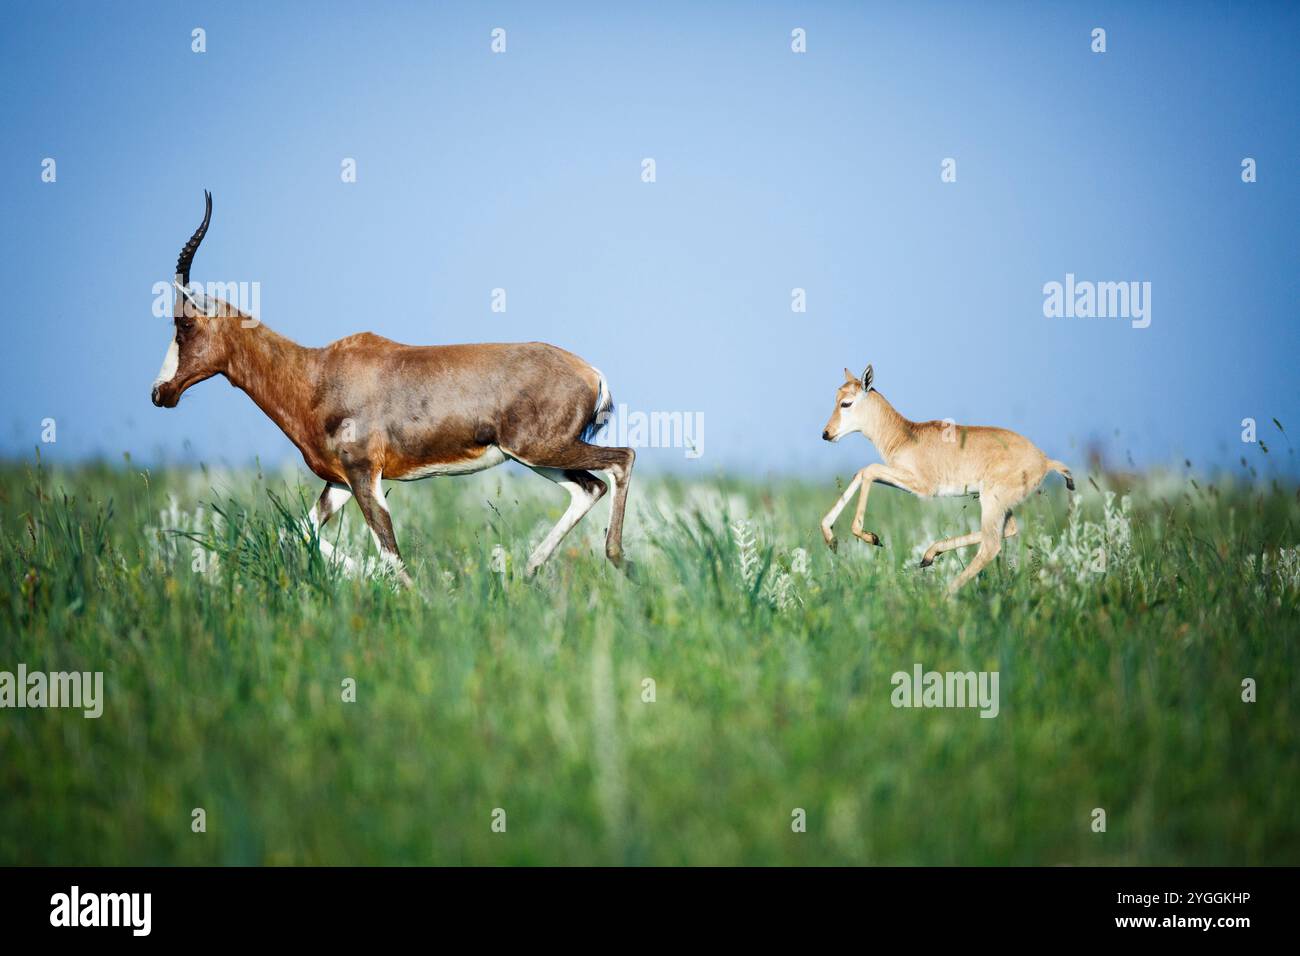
(849, 376)
(867, 378)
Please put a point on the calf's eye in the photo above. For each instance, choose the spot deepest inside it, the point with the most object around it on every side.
(845, 404)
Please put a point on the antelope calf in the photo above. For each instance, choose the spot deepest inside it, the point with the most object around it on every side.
(937, 460)
(366, 408)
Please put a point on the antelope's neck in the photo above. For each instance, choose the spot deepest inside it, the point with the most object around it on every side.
(279, 375)
(888, 430)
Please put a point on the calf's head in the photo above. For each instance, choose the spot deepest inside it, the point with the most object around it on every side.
(850, 414)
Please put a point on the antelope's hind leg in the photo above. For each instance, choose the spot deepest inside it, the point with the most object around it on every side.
(578, 456)
(620, 475)
(964, 540)
(584, 489)
(993, 520)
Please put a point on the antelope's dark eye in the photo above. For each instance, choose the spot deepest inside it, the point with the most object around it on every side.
(845, 404)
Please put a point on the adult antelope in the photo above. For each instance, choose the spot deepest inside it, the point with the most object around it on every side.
(366, 408)
(934, 460)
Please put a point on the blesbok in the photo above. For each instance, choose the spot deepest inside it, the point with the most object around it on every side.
(937, 459)
(366, 408)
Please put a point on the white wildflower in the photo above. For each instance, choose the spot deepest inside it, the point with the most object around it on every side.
(1087, 550)
(1280, 571)
(778, 585)
(742, 533)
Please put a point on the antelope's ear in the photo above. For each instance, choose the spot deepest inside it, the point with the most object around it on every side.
(867, 378)
(850, 377)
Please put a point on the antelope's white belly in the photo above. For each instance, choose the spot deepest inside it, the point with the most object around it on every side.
(491, 457)
(957, 490)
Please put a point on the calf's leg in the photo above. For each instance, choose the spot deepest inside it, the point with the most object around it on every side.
(992, 521)
(964, 540)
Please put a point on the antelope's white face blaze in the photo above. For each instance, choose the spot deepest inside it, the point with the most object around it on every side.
(198, 350)
(170, 363)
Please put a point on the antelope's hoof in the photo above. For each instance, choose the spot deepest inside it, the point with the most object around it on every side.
(869, 537)
(927, 560)
(831, 542)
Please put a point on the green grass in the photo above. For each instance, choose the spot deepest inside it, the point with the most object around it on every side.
(477, 690)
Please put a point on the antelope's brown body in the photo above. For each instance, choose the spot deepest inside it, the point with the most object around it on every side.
(413, 411)
(366, 408)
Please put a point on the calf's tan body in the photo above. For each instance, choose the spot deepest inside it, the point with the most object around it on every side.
(937, 459)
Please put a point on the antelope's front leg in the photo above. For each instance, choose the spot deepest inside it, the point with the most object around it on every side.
(369, 492)
(331, 501)
(866, 476)
(889, 476)
(829, 521)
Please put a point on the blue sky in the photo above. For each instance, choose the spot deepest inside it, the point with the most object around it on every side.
(774, 171)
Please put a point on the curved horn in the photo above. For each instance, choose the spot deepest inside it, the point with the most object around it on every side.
(187, 251)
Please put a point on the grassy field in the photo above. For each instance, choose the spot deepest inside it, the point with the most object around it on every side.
(225, 641)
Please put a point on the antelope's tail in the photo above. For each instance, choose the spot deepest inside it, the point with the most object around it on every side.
(601, 413)
(1059, 467)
